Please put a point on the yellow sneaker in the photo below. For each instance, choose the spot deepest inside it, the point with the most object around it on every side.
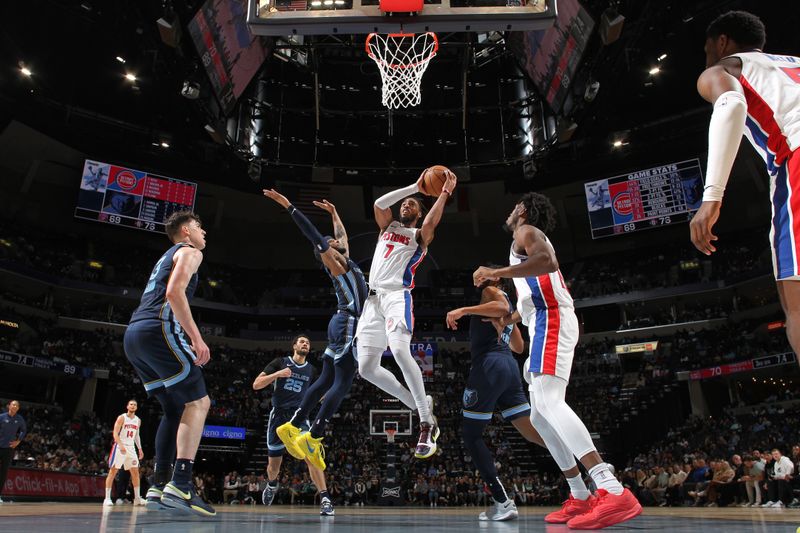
(313, 448)
(288, 435)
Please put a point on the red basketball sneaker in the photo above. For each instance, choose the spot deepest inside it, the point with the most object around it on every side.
(607, 510)
(570, 509)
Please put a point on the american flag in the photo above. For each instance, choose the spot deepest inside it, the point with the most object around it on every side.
(291, 5)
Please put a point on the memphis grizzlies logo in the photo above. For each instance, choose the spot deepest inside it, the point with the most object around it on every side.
(470, 397)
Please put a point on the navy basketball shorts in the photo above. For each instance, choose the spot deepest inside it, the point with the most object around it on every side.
(494, 382)
(278, 417)
(163, 360)
(341, 330)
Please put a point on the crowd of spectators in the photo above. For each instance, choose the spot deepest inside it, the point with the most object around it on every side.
(748, 460)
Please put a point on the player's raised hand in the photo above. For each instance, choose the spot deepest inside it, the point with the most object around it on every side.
(701, 225)
(421, 183)
(202, 353)
(450, 183)
(272, 194)
(284, 372)
(482, 275)
(325, 205)
(452, 318)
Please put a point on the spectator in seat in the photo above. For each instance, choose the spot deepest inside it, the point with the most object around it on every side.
(779, 491)
(754, 476)
(722, 478)
(675, 484)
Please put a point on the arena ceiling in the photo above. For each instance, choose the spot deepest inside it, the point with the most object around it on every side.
(78, 92)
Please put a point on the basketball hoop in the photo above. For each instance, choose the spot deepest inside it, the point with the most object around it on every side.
(390, 433)
(402, 59)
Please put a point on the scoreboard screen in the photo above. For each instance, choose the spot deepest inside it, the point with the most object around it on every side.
(649, 198)
(131, 198)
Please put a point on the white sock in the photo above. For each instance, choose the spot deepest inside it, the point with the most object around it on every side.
(108, 494)
(413, 376)
(604, 479)
(369, 366)
(578, 488)
(136, 493)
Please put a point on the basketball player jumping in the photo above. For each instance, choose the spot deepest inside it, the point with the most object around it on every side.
(545, 306)
(124, 454)
(338, 363)
(494, 382)
(758, 95)
(156, 345)
(388, 316)
(290, 378)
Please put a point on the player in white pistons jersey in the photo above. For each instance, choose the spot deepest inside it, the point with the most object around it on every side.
(758, 95)
(545, 306)
(124, 451)
(388, 315)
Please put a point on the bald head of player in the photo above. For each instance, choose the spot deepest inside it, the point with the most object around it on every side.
(411, 211)
(185, 226)
(534, 209)
(731, 33)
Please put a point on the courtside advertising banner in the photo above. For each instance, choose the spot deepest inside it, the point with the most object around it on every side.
(43, 483)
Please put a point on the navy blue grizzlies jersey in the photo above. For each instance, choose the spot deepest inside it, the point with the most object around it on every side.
(483, 335)
(154, 303)
(351, 289)
(289, 392)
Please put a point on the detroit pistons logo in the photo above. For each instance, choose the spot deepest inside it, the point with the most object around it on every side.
(126, 180)
(622, 203)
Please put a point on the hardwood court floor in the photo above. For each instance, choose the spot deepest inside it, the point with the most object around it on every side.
(83, 517)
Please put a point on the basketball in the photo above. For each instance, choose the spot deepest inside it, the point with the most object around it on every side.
(433, 179)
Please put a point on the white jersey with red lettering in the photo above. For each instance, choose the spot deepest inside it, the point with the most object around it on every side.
(397, 256)
(546, 307)
(127, 439)
(771, 86)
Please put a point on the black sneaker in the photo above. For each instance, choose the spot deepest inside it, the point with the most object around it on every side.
(269, 494)
(326, 508)
(152, 500)
(190, 502)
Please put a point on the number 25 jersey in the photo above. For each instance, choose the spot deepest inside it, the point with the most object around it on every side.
(289, 392)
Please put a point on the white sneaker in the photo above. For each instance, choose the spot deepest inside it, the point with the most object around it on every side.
(500, 512)
(778, 504)
(120, 501)
(768, 504)
(138, 502)
(108, 503)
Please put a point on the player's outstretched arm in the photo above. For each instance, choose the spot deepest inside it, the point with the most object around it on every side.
(434, 216)
(187, 261)
(541, 259)
(725, 131)
(383, 205)
(339, 233)
(331, 258)
(494, 305)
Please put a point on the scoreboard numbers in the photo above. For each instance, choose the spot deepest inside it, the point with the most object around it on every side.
(645, 199)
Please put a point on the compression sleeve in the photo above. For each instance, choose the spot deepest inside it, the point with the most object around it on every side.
(724, 135)
(308, 229)
(391, 198)
(273, 366)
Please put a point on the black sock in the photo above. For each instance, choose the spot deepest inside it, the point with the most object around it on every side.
(163, 473)
(472, 432)
(273, 483)
(344, 372)
(182, 477)
(324, 494)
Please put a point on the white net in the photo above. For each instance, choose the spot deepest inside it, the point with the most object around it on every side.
(402, 59)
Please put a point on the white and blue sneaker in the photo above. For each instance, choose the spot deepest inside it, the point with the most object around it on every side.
(326, 508)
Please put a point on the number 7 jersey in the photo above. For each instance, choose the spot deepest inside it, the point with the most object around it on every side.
(397, 256)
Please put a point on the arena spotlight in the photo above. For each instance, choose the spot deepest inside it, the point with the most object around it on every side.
(316, 3)
(130, 77)
(662, 57)
(654, 71)
(164, 144)
(25, 71)
(617, 143)
(121, 59)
